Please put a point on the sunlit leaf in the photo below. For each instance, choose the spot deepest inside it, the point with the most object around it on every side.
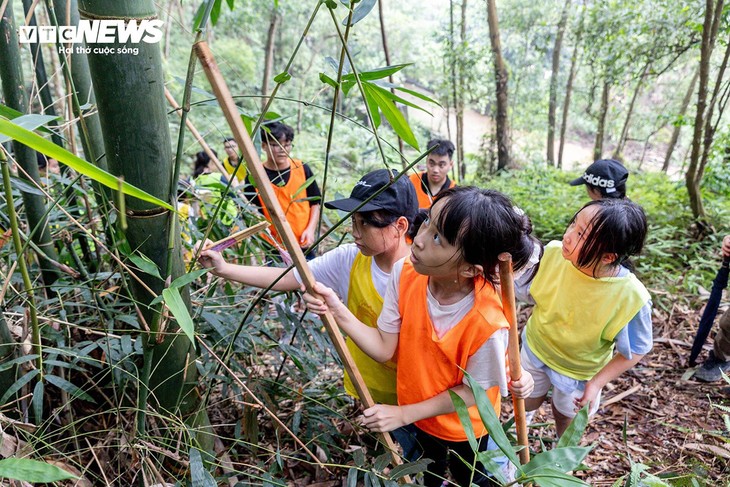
(145, 265)
(31, 121)
(79, 165)
(282, 78)
(327, 80)
(394, 116)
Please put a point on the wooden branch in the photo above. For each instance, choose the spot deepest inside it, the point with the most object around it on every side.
(238, 237)
(507, 285)
(278, 218)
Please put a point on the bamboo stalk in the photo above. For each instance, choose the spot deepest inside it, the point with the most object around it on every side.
(237, 237)
(507, 284)
(256, 170)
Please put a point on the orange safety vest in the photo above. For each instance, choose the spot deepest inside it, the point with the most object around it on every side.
(424, 199)
(428, 365)
(297, 212)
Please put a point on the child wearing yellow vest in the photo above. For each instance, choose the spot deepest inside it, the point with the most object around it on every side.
(442, 315)
(587, 302)
(358, 271)
(293, 183)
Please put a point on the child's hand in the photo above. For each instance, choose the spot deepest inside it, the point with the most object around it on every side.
(329, 299)
(382, 417)
(307, 238)
(726, 246)
(209, 259)
(521, 389)
(589, 396)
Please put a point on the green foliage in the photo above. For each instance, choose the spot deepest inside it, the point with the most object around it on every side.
(32, 471)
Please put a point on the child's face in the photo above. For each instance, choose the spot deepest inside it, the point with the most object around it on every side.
(371, 240)
(231, 149)
(278, 152)
(438, 168)
(575, 235)
(431, 254)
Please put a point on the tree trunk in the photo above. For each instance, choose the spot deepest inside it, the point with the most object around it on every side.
(11, 73)
(680, 115)
(501, 78)
(386, 51)
(569, 86)
(554, 84)
(598, 147)
(625, 129)
(453, 58)
(269, 54)
(713, 12)
(130, 95)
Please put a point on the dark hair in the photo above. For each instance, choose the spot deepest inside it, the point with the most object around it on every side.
(618, 194)
(274, 131)
(202, 159)
(483, 223)
(42, 160)
(228, 139)
(385, 218)
(619, 227)
(443, 147)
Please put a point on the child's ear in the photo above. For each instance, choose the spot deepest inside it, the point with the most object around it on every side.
(472, 271)
(609, 258)
(401, 224)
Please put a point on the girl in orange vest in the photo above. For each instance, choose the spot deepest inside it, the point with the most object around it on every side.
(442, 315)
(358, 271)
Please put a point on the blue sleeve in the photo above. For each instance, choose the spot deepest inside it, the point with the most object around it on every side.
(636, 337)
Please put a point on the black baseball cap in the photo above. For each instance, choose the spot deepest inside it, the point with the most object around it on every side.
(607, 176)
(399, 198)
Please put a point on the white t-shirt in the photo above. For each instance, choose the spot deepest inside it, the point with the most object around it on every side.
(487, 366)
(333, 270)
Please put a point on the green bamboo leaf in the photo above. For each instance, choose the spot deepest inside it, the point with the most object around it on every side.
(145, 265)
(12, 114)
(553, 478)
(69, 388)
(411, 468)
(373, 107)
(360, 12)
(199, 475)
(463, 412)
(491, 421)
(28, 470)
(487, 459)
(575, 429)
(563, 459)
(394, 117)
(177, 307)
(282, 78)
(417, 95)
(331, 4)
(24, 186)
(305, 185)
(79, 165)
(378, 73)
(198, 18)
(186, 279)
(215, 12)
(231, 2)
(12, 363)
(352, 477)
(394, 97)
(37, 401)
(18, 384)
(327, 80)
(31, 121)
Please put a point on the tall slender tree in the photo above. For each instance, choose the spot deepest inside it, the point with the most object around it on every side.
(557, 48)
(13, 84)
(569, 85)
(602, 115)
(501, 79)
(677, 125)
(386, 52)
(274, 22)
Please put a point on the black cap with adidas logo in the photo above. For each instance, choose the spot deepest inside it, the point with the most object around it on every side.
(607, 176)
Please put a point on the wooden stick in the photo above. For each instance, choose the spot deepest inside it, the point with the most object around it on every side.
(506, 282)
(199, 138)
(237, 237)
(278, 218)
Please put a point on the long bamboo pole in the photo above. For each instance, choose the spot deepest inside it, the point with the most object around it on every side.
(278, 218)
(506, 282)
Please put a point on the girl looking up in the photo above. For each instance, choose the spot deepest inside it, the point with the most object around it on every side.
(358, 271)
(587, 302)
(441, 316)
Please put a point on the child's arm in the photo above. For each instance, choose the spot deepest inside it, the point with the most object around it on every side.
(378, 344)
(261, 277)
(617, 366)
